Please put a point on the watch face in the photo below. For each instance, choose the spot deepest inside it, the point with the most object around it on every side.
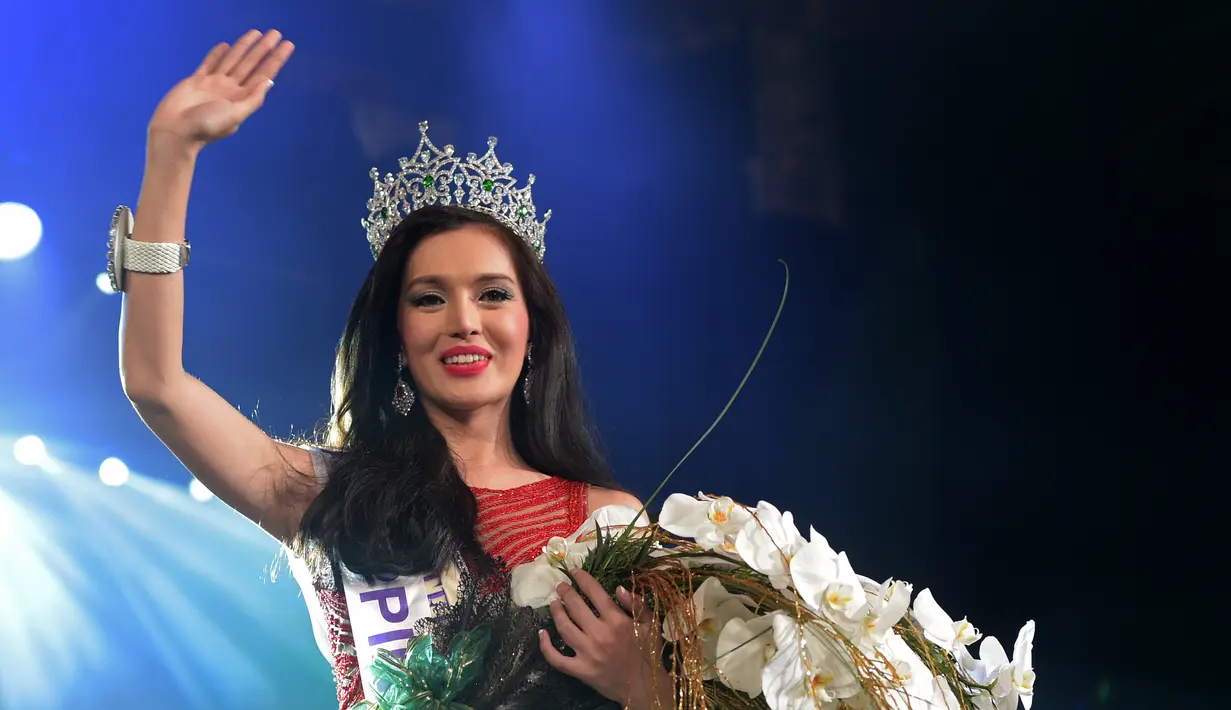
(121, 228)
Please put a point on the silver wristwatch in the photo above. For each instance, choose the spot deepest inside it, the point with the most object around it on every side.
(124, 254)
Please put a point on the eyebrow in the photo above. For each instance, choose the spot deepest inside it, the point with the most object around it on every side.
(440, 282)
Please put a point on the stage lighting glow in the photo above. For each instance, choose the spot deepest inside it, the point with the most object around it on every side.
(113, 472)
(143, 582)
(29, 451)
(198, 491)
(103, 282)
(20, 230)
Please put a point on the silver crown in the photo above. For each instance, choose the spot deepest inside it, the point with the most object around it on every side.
(436, 177)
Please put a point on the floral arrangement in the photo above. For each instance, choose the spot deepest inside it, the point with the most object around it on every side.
(761, 617)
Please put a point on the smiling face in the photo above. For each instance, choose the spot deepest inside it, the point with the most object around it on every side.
(463, 319)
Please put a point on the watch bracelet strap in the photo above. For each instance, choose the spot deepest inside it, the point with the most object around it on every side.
(152, 257)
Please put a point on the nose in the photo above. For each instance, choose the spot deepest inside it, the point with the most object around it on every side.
(463, 318)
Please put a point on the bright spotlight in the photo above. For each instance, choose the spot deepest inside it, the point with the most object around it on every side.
(29, 451)
(103, 282)
(198, 491)
(113, 472)
(20, 230)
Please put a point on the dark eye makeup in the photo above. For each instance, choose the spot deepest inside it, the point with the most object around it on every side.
(491, 294)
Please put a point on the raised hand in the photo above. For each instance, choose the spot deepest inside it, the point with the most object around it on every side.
(228, 87)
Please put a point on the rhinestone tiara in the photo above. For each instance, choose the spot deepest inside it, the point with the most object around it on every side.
(436, 177)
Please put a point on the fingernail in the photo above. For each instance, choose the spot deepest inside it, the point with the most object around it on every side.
(269, 84)
(621, 590)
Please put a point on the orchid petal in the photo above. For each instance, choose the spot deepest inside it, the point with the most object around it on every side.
(812, 569)
(534, 584)
(768, 541)
(744, 647)
(937, 625)
(683, 515)
(991, 652)
(895, 604)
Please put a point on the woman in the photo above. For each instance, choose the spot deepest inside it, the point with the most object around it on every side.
(457, 430)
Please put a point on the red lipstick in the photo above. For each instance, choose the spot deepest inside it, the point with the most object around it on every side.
(474, 366)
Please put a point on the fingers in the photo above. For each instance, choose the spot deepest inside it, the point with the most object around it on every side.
(271, 64)
(210, 63)
(595, 593)
(256, 56)
(237, 53)
(576, 605)
(572, 635)
(635, 606)
(257, 84)
(558, 660)
(252, 97)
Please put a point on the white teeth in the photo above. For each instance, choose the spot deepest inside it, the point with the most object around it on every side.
(464, 359)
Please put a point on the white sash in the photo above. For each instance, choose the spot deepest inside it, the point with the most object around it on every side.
(384, 615)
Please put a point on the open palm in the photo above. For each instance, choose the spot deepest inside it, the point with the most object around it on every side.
(228, 87)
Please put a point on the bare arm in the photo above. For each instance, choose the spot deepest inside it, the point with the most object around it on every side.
(243, 466)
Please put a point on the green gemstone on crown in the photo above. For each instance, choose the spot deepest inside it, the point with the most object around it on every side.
(488, 185)
(428, 180)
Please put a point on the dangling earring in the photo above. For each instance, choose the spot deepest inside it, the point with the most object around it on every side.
(403, 395)
(525, 383)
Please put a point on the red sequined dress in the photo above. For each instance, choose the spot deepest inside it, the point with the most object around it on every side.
(513, 526)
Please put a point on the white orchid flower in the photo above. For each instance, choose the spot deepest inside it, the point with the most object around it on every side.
(744, 648)
(791, 682)
(1013, 679)
(828, 584)
(713, 607)
(768, 542)
(887, 604)
(916, 684)
(981, 670)
(712, 522)
(534, 583)
(940, 628)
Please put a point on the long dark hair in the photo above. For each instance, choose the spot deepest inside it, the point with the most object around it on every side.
(393, 502)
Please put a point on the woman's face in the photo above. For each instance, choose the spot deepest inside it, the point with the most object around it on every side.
(463, 319)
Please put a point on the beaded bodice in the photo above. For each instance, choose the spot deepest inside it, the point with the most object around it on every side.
(513, 525)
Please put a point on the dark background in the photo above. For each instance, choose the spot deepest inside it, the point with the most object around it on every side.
(1063, 168)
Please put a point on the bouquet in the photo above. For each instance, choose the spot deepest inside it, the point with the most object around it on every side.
(760, 617)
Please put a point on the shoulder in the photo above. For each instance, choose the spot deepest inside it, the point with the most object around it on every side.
(599, 497)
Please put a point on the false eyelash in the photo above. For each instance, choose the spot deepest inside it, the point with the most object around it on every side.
(505, 294)
(419, 299)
